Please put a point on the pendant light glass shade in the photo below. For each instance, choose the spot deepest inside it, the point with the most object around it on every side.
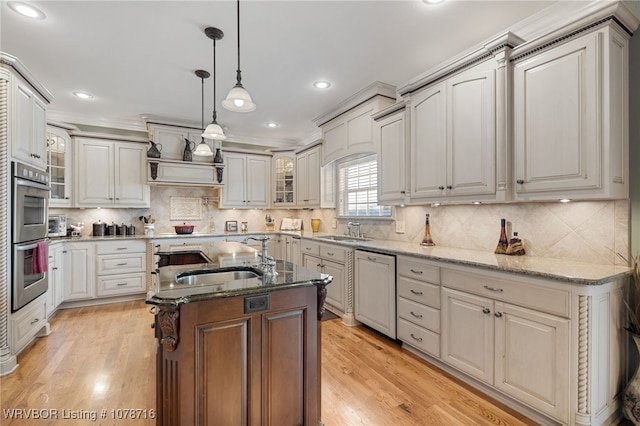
(213, 131)
(238, 99)
(202, 148)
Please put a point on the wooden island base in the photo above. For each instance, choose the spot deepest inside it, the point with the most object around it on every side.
(243, 360)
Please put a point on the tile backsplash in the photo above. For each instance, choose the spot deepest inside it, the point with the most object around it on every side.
(588, 231)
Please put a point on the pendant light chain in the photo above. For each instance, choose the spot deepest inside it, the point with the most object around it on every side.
(215, 114)
(238, 99)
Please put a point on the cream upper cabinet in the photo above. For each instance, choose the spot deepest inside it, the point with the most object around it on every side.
(110, 173)
(390, 133)
(247, 181)
(348, 129)
(284, 180)
(28, 139)
(571, 119)
(453, 137)
(59, 162)
(308, 174)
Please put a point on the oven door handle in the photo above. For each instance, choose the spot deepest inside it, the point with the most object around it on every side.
(22, 182)
(24, 248)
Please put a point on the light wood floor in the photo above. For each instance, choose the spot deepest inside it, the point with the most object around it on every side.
(103, 358)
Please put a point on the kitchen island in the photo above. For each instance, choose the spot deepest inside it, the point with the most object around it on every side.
(237, 345)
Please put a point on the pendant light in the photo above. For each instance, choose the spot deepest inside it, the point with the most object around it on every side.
(213, 130)
(202, 148)
(238, 99)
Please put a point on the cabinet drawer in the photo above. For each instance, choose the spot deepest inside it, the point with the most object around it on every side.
(418, 337)
(544, 299)
(418, 270)
(26, 322)
(309, 247)
(119, 247)
(424, 316)
(426, 294)
(114, 285)
(119, 264)
(337, 254)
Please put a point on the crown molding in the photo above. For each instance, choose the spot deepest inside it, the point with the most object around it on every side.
(82, 119)
(374, 89)
(23, 71)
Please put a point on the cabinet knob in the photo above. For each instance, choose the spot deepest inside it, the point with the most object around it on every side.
(449, 187)
(441, 188)
(403, 192)
(520, 181)
(486, 311)
(498, 314)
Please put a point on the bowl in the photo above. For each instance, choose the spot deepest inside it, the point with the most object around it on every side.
(184, 229)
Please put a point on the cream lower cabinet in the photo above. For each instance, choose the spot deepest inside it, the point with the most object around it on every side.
(418, 288)
(98, 270)
(556, 348)
(79, 271)
(247, 181)
(110, 173)
(55, 293)
(375, 291)
(335, 261)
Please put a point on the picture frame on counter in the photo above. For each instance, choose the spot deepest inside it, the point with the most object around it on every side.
(231, 226)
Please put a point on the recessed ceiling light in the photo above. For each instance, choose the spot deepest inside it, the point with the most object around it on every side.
(565, 200)
(83, 95)
(272, 124)
(322, 84)
(26, 10)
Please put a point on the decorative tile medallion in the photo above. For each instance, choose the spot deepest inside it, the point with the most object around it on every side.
(185, 208)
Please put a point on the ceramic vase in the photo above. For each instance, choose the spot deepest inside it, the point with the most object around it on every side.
(631, 395)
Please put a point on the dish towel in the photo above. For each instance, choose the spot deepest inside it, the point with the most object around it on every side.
(40, 258)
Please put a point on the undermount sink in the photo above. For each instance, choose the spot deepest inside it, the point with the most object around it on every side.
(344, 238)
(216, 276)
(182, 258)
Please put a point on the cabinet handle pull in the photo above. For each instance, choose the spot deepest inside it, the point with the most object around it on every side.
(64, 251)
(498, 314)
(121, 248)
(307, 248)
(319, 265)
(520, 181)
(419, 339)
(486, 311)
(417, 293)
(55, 268)
(403, 192)
(121, 284)
(122, 264)
(329, 253)
(372, 259)
(416, 272)
(499, 290)
(35, 320)
(416, 315)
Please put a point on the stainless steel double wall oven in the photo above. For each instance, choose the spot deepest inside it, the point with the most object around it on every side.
(30, 198)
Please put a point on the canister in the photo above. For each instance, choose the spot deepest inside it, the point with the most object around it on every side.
(99, 229)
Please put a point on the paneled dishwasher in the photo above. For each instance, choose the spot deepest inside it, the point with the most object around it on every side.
(375, 291)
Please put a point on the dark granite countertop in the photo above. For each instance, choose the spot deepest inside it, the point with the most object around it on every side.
(173, 293)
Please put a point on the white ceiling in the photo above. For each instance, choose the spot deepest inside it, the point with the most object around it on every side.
(139, 57)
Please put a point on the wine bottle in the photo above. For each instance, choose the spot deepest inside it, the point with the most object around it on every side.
(503, 242)
(427, 241)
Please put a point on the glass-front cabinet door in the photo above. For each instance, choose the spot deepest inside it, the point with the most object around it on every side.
(284, 180)
(59, 166)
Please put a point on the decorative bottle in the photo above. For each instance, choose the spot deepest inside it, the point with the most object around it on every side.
(427, 241)
(503, 242)
(516, 246)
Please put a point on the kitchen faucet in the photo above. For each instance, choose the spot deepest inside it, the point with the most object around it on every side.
(356, 233)
(267, 263)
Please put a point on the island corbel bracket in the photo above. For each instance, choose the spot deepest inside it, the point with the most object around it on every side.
(168, 319)
(322, 295)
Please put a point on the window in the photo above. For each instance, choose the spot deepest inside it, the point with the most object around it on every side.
(358, 189)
